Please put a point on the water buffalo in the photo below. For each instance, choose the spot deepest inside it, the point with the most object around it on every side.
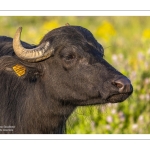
(41, 85)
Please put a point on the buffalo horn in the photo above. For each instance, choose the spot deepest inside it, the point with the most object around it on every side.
(39, 53)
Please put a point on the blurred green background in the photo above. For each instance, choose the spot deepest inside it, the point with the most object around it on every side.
(126, 41)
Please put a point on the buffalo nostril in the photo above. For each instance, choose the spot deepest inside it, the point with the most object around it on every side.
(123, 84)
(118, 85)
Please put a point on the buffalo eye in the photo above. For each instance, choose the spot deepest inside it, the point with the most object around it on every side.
(69, 57)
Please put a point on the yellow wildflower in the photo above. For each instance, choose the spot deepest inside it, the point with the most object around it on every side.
(106, 31)
(50, 25)
(146, 34)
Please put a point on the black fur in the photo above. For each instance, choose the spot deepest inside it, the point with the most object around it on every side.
(41, 100)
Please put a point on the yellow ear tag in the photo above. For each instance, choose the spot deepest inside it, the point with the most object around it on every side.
(19, 70)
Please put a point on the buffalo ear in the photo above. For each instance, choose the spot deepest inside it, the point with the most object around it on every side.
(14, 68)
(33, 74)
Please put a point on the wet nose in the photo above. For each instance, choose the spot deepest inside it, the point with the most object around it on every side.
(123, 84)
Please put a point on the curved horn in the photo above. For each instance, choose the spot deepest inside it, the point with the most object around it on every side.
(39, 53)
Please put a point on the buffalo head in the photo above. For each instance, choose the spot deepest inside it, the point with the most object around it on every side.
(73, 68)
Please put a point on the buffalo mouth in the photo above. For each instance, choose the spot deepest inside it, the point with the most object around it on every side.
(116, 98)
